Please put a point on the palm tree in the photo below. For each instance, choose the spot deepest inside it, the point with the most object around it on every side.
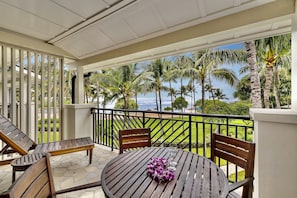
(273, 52)
(192, 89)
(181, 70)
(285, 87)
(97, 79)
(254, 75)
(218, 94)
(67, 85)
(87, 89)
(120, 83)
(205, 64)
(210, 90)
(243, 89)
(169, 77)
(154, 79)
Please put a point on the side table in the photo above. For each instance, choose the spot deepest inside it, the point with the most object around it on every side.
(22, 163)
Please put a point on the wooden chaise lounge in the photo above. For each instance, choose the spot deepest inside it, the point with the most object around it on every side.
(17, 141)
(37, 181)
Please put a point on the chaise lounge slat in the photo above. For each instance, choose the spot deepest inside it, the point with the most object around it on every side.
(4, 125)
(22, 144)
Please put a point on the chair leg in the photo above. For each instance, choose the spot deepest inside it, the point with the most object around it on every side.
(13, 175)
(247, 191)
(91, 155)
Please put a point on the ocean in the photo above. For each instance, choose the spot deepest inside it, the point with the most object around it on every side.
(148, 101)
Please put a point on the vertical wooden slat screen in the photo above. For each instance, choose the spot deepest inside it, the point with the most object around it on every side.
(42, 98)
(4, 81)
(36, 92)
(22, 91)
(61, 96)
(13, 102)
(55, 65)
(48, 95)
(1, 63)
(29, 88)
(32, 91)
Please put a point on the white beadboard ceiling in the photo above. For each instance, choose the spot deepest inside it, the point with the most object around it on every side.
(88, 28)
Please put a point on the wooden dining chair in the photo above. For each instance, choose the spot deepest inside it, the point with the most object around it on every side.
(134, 138)
(37, 181)
(240, 153)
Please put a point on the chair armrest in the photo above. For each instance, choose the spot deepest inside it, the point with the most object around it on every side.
(80, 187)
(239, 184)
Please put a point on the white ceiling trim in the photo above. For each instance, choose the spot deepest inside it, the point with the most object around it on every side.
(93, 20)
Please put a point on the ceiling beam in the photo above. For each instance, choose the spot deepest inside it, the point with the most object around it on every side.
(22, 41)
(267, 11)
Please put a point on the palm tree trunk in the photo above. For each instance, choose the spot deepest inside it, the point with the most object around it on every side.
(267, 87)
(136, 100)
(171, 96)
(160, 100)
(202, 94)
(194, 90)
(255, 80)
(126, 102)
(275, 88)
(157, 100)
(212, 94)
(181, 90)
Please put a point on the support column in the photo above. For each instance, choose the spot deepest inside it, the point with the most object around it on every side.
(294, 60)
(275, 136)
(78, 121)
(79, 86)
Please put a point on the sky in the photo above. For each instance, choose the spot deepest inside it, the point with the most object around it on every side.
(227, 89)
(147, 101)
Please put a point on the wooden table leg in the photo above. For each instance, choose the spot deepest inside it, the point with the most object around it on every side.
(13, 174)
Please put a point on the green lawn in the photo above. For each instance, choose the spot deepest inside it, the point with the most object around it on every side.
(45, 137)
(240, 176)
(178, 129)
(45, 133)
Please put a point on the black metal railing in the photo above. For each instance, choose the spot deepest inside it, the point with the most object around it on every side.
(188, 131)
(184, 130)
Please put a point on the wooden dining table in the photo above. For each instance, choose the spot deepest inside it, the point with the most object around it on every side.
(195, 176)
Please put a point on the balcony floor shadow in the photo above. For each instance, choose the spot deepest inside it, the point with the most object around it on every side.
(70, 170)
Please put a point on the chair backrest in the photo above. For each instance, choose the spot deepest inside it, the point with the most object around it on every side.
(239, 152)
(134, 138)
(36, 181)
(14, 137)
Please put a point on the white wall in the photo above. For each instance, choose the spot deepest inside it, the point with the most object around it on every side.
(77, 121)
(275, 135)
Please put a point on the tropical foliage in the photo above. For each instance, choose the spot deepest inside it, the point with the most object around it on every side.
(264, 80)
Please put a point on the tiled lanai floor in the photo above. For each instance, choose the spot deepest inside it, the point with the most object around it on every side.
(70, 170)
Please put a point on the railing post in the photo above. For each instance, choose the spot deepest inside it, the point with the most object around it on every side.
(204, 136)
(190, 133)
(227, 124)
(112, 130)
(93, 123)
(143, 119)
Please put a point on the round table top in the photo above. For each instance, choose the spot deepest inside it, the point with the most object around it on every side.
(195, 176)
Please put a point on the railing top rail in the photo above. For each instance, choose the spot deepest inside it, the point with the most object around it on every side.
(245, 117)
